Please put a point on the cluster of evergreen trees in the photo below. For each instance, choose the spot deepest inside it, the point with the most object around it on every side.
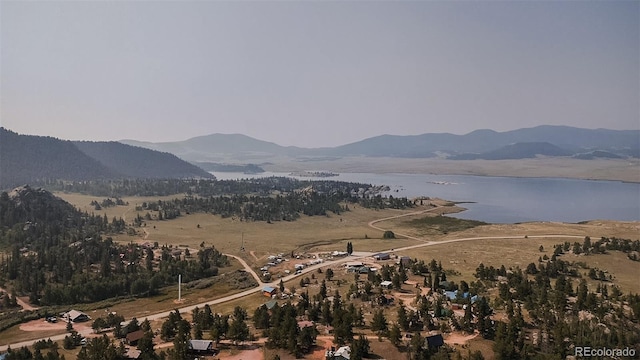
(58, 256)
(250, 199)
(557, 311)
(42, 350)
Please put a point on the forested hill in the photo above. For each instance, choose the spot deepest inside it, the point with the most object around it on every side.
(28, 205)
(27, 159)
(24, 159)
(47, 238)
(138, 162)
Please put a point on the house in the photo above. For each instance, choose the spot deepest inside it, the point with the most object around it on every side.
(364, 270)
(76, 316)
(434, 341)
(268, 291)
(328, 330)
(405, 261)
(343, 353)
(453, 295)
(133, 337)
(201, 347)
(385, 300)
(386, 284)
(353, 264)
(132, 353)
(382, 256)
(305, 324)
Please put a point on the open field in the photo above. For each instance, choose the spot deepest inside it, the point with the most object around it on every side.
(261, 238)
(465, 258)
(595, 229)
(322, 234)
(600, 169)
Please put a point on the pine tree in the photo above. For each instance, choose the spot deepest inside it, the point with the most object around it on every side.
(395, 334)
(379, 322)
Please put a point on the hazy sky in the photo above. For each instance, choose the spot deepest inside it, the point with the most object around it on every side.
(315, 73)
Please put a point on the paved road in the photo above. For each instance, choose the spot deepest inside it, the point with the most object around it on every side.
(354, 256)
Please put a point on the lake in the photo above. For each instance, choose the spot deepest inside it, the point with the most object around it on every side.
(507, 199)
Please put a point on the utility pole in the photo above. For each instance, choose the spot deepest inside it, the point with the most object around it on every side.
(179, 288)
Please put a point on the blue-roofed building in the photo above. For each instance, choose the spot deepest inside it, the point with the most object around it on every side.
(452, 295)
(268, 291)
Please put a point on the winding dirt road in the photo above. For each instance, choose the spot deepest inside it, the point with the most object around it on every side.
(354, 256)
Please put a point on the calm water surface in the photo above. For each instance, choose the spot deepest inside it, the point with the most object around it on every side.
(508, 200)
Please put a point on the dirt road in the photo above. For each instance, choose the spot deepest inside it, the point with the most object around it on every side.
(354, 256)
(25, 306)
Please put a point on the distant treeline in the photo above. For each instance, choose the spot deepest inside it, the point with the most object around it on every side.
(243, 168)
(264, 199)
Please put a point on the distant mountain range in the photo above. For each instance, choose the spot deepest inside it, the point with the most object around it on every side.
(26, 158)
(543, 140)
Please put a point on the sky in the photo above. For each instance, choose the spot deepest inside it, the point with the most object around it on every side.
(315, 73)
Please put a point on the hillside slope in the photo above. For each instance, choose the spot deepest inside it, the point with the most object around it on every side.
(25, 158)
(138, 162)
(525, 150)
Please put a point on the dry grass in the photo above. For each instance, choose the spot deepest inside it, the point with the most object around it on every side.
(595, 229)
(465, 257)
(15, 335)
(167, 300)
(319, 234)
(330, 232)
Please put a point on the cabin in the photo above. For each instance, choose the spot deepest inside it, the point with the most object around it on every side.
(434, 341)
(385, 300)
(386, 284)
(132, 353)
(201, 347)
(133, 337)
(382, 256)
(76, 316)
(353, 266)
(305, 324)
(405, 261)
(268, 291)
(453, 295)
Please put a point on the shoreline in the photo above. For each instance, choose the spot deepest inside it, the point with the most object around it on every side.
(626, 171)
